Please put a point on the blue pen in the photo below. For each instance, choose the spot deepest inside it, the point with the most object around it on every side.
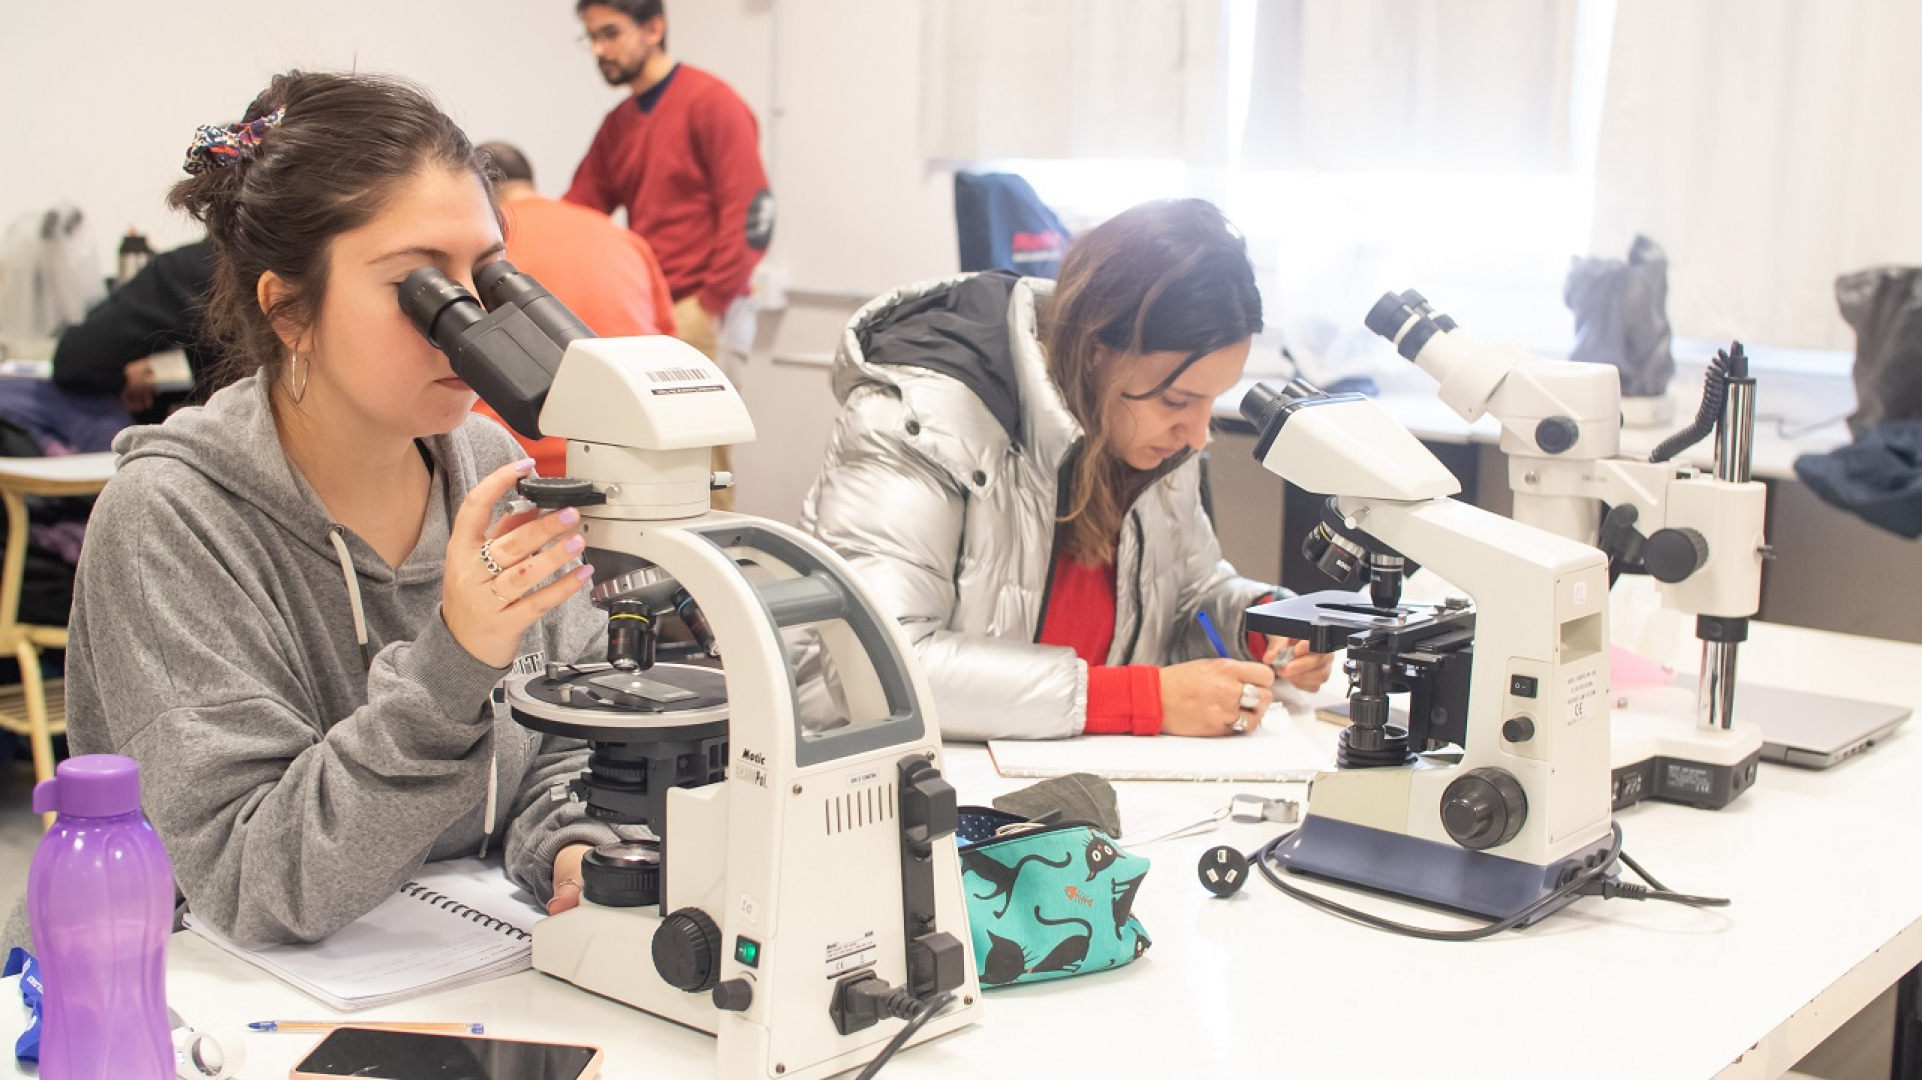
(1208, 627)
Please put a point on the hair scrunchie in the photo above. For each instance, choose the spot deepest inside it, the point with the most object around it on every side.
(220, 145)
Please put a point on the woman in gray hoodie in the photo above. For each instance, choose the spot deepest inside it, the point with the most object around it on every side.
(295, 602)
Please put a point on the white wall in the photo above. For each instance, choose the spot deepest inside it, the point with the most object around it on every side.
(835, 83)
(99, 112)
(101, 101)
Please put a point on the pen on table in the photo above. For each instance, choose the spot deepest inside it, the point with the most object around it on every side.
(379, 1025)
(1208, 627)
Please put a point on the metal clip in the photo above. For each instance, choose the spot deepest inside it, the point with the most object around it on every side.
(1256, 808)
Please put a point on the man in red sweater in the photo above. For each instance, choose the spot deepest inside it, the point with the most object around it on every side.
(682, 157)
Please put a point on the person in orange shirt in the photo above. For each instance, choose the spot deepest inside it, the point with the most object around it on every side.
(605, 274)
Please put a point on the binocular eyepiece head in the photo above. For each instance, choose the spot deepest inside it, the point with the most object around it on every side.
(1392, 315)
(507, 350)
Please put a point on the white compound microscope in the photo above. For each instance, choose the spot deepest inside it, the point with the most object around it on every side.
(1494, 799)
(1699, 534)
(796, 892)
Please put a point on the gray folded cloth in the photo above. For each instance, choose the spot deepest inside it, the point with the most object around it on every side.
(1073, 797)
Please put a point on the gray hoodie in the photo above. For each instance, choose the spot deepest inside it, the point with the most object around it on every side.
(297, 776)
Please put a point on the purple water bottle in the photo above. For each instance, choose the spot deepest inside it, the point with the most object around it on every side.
(100, 897)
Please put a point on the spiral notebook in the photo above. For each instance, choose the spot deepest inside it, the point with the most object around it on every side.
(458, 922)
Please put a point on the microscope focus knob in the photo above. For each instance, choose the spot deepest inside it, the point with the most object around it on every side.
(1671, 555)
(1556, 434)
(1484, 808)
(687, 947)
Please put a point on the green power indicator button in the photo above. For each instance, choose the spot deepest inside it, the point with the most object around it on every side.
(747, 951)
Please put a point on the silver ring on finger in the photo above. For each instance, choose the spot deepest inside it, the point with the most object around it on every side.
(1250, 696)
(487, 559)
(1240, 725)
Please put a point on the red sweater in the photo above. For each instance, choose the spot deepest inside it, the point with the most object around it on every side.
(683, 160)
(1080, 615)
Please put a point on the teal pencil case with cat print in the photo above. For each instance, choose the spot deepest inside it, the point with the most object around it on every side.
(1047, 901)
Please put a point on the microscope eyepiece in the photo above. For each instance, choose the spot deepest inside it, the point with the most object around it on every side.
(501, 284)
(1389, 315)
(1259, 404)
(439, 308)
(510, 350)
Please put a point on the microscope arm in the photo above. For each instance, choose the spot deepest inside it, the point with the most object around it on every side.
(1701, 537)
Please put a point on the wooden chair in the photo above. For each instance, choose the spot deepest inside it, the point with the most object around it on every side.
(36, 707)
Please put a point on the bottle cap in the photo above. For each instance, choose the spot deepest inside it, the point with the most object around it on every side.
(92, 785)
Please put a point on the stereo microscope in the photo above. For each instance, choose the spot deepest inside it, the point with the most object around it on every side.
(1698, 534)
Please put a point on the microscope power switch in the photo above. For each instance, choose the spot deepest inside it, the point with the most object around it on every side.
(687, 950)
(1484, 808)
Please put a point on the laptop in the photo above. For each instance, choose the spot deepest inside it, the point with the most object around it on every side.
(1811, 730)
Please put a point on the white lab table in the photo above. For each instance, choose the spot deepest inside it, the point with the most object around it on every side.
(1827, 914)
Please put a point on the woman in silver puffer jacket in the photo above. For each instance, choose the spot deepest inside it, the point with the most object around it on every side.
(1015, 476)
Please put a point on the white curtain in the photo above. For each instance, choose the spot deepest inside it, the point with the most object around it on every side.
(1073, 79)
(1411, 85)
(1769, 145)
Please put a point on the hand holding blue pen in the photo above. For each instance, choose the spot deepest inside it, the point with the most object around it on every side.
(1250, 693)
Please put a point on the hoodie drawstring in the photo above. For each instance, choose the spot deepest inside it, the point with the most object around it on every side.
(367, 662)
(353, 595)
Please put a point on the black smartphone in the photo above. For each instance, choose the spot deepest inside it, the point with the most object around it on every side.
(421, 1055)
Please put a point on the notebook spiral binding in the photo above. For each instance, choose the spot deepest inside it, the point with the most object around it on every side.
(448, 903)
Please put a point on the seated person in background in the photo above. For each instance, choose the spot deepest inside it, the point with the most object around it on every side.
(603, 273)
(295, 600)
(159, 308)
(1015, 473)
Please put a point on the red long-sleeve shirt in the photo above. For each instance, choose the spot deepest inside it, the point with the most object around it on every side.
(1080, 615)
(683, 159)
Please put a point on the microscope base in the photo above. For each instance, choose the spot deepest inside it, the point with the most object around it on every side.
(1427, 872)
(1665, 755)
(609, 951)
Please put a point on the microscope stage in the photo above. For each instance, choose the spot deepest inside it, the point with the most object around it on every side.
(601, 704)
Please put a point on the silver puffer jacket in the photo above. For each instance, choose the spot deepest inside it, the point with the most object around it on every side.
(941, 485)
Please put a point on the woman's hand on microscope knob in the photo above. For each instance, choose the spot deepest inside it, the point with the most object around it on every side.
(490, 590)
(567, 878)
(1204, 697)
(1292, 661)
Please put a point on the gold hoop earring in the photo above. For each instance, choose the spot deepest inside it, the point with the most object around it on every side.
(297, 391)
